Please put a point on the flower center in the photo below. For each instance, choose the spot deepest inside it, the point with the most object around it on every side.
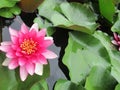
(28, 46)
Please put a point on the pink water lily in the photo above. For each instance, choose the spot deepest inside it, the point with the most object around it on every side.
(27, 50)
(116, 40)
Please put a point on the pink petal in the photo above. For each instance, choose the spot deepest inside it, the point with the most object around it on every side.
(34, 59)
(14, 39)
(41, 59)
(30, 67)
(11, 55)
(22, 61)
(5, 48)
(32, 34)
(13, 32)
(24, 28)
(19, 54)
(13, 64)
(6, 62)
(34, 27)
(23, 73)
(39, 69)
(119, 37)
(116, 36)
(48, 38)
(14, 46)
(6, 43)
(20, 40)
(21, 35)
(118, 42)
(47, 42)
(114, 42)
(42, 32)
(49, 54)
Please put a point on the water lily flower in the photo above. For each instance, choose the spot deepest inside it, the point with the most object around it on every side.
(116, 40)
(27, 50)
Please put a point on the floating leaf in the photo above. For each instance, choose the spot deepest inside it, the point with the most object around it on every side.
(10, 12)
(7, 77)
(115, 61)
(82, 53)
(41, 85)
(9, 8)
(112, 52)
(46, 9)
(67, 85)
(116, 27)
(117, 87)
(107, 9)
(7, 3)
(80, 16)
(100, 79)
(73, 16)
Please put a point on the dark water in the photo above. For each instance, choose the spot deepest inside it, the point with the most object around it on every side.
(55, 64)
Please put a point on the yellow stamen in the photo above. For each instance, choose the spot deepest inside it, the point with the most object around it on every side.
(28, 46)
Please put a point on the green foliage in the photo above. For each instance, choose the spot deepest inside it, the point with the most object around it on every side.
(107, 9)
(100, 79)
(67, 85)
(7, 77)
(73, 12)
(92, 60)
(92, 55)
(116, 26)
(82, 53)
(9, 8)
(113, 54)
(117, 87)
(47, 8)
(67, 15)
(41, 85)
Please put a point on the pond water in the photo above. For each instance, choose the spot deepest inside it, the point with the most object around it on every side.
(55, 71)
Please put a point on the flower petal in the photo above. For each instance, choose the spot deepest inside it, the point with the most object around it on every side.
(18, 54)
(30, 67)
(42, 32)
(34, 27)
(41, 59)
(22, 61)
(49, 54)
(32, 34)
(24, 28)
(13, 64)
(5, 48)
(116, 36)
(48, 38)
(48, 41)
(114, 42)
(6, 62)
(11, 55)
(6, 43)
(23, 73)
(13, 32)
(14, 39)
(39, 69)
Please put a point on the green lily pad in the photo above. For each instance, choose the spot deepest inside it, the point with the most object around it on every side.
(82, 53)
